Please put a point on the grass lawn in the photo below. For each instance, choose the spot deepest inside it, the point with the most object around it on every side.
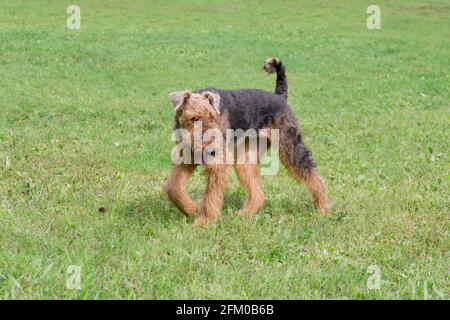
(85, 124)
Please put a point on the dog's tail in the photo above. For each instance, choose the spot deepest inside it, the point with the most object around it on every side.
(299, 162)
(273, 65)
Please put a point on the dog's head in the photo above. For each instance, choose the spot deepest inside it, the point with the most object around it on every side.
(192, 107)
(194, 111)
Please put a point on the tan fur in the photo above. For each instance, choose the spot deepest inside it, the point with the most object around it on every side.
(248, 175)
(313, 182)
(199, 107)
(212, 199)
(175, 189)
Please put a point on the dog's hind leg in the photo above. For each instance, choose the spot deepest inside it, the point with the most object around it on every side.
(299, 162)
(212, 199)
(175, 189)
(248, 175)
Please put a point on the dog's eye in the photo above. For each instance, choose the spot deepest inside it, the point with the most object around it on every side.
(193, 119)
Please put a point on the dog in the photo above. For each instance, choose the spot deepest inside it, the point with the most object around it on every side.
(240, 109)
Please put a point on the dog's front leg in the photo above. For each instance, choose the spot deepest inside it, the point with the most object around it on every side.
(212, 199)
(176, 189)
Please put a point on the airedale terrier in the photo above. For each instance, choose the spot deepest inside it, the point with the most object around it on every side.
(241, 109)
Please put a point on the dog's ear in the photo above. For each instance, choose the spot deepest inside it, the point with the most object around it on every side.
(214, 100)
(179, 97)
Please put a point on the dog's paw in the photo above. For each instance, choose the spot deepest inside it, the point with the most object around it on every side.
(325, 211)
(191, 210)
(200, 222)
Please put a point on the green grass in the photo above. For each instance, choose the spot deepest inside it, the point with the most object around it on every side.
(85, 123)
